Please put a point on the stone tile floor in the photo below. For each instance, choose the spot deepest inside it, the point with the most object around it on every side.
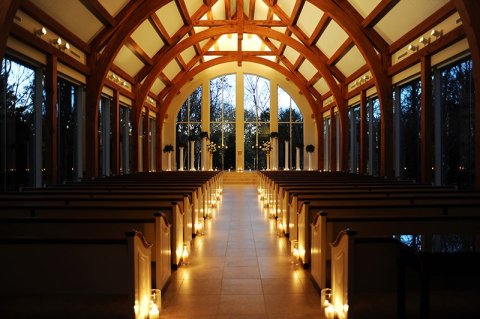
(240, 269)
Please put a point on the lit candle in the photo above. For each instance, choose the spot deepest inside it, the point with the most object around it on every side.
(330, 311)
(154, 312)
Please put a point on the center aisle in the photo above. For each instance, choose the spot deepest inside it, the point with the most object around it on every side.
(240, 269)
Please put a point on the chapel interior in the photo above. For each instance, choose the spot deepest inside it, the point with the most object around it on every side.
(239, 159)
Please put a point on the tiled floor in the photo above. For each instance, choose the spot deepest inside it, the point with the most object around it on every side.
(240, 269)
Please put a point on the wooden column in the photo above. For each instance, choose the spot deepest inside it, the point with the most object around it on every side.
(115, 137)
(146, 148)
(363, 132)
(468, 10)
(333, 140)
(8, 8)
(426, 142)
(51, 89)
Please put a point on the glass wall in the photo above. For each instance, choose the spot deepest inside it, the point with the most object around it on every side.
(152, 144)
(354, 133)
(125, 139)
(222, 120)
(257, 120)
(290, 126)
(409, 126)
(326, 141)
(373, 136)
(189, 124)
(20, 125)
(456, 123)
(104, 132)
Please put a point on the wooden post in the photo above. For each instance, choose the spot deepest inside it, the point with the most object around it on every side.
(8, 8)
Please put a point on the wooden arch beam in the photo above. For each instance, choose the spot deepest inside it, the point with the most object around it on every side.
(262, 31)
(8, 8)
(378, 67)
(468, 10)
(222, 60)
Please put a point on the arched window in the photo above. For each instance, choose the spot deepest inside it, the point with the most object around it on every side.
(290, 127)
(257, 119)
(223, 119)
(189, 122)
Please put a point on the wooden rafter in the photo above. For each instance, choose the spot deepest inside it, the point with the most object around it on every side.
(379, 12)
(138, 51)
(228, 10)
(233, 53)
(217, 23)
(160, 29)
(341, 51)
(319, 29)
(183, 11)
(100, 12)
(251, 10)
(297, 10)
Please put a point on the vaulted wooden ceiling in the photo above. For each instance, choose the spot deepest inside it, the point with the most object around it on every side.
(311, 41)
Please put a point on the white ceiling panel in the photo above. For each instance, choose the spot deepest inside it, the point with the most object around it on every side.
(364, 7)
(286, 6)
(406, 15)
(261, 11)
(307, 69)
(280, 29)
(218, 11)
(128, 62)
(351, 62)
(73, 15)
(188, 54)
(331, 39)
(174, 22)
(268, 57)
(291, 54)
(226, 42)
(193, 6)
(321, 86)
(113, 7)
(157, 86)
(146, 36)
(309, 18)
(171, 70)
(251, 42)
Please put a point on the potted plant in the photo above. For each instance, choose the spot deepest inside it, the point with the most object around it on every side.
(169, 150)
(310, 149)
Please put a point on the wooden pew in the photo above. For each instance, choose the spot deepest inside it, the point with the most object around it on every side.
(75, 278)
(155, 229)
(370, 278)
(117, 208)
(326, 226)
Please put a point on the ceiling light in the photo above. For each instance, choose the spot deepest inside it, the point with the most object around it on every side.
(57, 41)
(424, 40)
(412, 48)
(41, 32)
(435, 33)
(66, 46)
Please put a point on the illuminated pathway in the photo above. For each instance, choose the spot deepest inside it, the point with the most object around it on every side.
(240, 269)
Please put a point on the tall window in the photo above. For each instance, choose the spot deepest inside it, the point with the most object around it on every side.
(69, 119)
(373, 136)
(326, 141)
(408, 137)
(125, 139)
(20, 104)
(456, 134)
(354, 145)
(222, 120)
(104, 132)
(257, 119)
(152, 143)
(189, 123)
(290, 126)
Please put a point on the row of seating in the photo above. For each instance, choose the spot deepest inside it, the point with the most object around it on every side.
(312, 208)
(69, 251)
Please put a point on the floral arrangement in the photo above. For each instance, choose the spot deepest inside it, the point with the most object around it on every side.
(299, 145)
(211, 147)
(266, 147)
(192, 137)
(286, 139)
(310, 148)
(273, 134)
(204, 134)
(181, 144)
(168, 148)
